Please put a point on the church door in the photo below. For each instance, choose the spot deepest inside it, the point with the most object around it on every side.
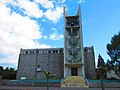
(74, 71)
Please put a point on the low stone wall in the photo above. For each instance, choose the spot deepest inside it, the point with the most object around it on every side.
(106, 83)
(56, 83)
(32, 83)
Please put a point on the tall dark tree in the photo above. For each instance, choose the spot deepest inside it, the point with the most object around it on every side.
(101, 68)
(114, 51)
(114, 48)
(101, 62)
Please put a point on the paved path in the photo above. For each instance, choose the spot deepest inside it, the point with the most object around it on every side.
(50, 88)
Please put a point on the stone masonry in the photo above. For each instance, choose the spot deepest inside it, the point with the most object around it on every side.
(32, 62)
(89, 60)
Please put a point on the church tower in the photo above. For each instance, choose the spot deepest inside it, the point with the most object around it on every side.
(73, 45)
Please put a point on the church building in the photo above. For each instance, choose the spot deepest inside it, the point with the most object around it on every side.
(72, 60)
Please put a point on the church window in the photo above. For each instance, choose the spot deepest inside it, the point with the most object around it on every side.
(37, 51)
(26, 52)
(76, 23)
(53, 51)
(56, 51)
(60, 51)
(72, 22)
(49, 51)
(68, 23)
(38, 66)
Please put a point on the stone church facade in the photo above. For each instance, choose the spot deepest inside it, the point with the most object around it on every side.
(72, 60)
(33, 61)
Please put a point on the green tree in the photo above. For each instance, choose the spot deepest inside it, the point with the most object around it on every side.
(9, 73)
(110, 65)
(101, 68)
(114, 48)
(101, 62)
(114, 52)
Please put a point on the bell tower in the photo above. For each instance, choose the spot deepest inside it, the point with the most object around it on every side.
(73, 45)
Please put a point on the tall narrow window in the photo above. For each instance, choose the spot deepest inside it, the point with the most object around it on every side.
(53, 51)
(56, 51)
(26, 52)
(38, 66)
(49, 51)
(37, 51)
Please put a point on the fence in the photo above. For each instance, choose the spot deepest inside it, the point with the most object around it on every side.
(107, 83)
(56, 83)
(40, 83)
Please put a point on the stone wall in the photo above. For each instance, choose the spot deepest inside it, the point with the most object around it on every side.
(32, 63)
(52, 60)
(89, 63)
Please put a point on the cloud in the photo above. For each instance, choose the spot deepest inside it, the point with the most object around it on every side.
(53, 11)
(45, 37)
(17, 32)
(20, 31)
(31, 8)
(54, 15)
(81, 1)
(63, 1)
(48, 4)
(55, 35)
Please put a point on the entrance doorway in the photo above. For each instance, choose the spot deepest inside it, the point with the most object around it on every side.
(74, 71)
